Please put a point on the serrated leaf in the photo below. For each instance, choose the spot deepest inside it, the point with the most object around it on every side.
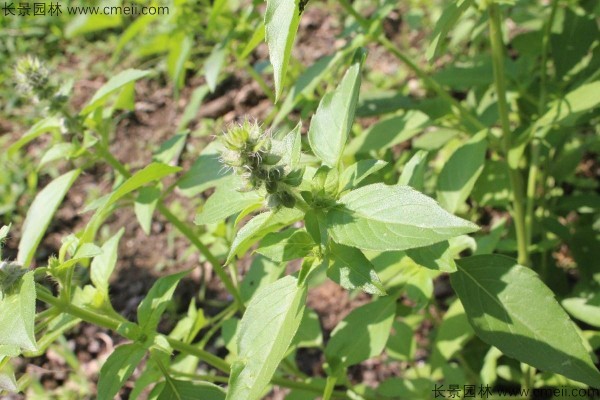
(118, 368)
(259, 226)
(17, 315)
(115, 83)
(156, 301)
(511, 308)
(265, 334)
(352, 270)
(331, 124)
(381, 217)
(186, 390)
(358, 171)
(460, 172)
(287, 245)
(40, 213)
(104, 264)
(362, 334)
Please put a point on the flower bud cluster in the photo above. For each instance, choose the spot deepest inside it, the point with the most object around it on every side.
(33, 79)
(249, 152)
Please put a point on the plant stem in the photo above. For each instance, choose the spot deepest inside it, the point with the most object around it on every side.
(516, 180)
(109, 323)
(329, 387)
(534, 167)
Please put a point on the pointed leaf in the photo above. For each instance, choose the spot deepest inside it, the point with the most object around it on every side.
(287, 245)
(330, 126)
(154, 304)
(41, 212)
(185, 390)
(265, 334)
(104, 264)
(380, 217)
(113, 84)
(362, 334)
(281, 24)
(351, 269)
(118, 368)
(510, 308)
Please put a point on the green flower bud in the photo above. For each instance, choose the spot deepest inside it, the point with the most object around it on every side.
(33, 78)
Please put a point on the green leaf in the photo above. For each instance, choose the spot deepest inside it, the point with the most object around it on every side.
(401, 344)
(262, 272)
(206, 172)
(351, 269)
(259, 226)
(144, 206)
(179, 54)
(586, 310)
(331, 124)
(265, 334)
(103, 265)
(309, 333)
(460, 172)
(17, 315)
(281, 24)
(380, 217)
(413, 174)
(389, 132)
(450, 15)
(226, 201)
(358, 171)
(185, 390)
(40, 214)
(115, 83)
(118, 368)
(213, 64)
(510, 308)
(150, 173)
(452, 335)
(362, 334)
(565, 110)
(8, 382)
(48, 124)
(154, 304)
(287, 245)
(437, 257)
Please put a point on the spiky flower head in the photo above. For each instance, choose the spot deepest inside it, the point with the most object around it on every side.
(10, 274)
(33, 78)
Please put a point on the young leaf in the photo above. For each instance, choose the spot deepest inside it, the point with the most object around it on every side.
(104, 264)
(381, 217)
(358, 171)
(460, 172)
(265, 334)
(144, 206)
(214, 63)
(41, 212)
(510, 308)
(259, 226)
(17, 315)
(450, 15)
(113, 84)
(157, 300)
(281, 24)
(586, 310)
(287, 245)
(351, 269)
(186, 390)
(362, 334)
(118, 368)
(413, 174)
(48, 124)
(330, 126)
(226, 201)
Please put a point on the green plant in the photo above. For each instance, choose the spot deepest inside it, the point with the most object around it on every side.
(353, 210)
